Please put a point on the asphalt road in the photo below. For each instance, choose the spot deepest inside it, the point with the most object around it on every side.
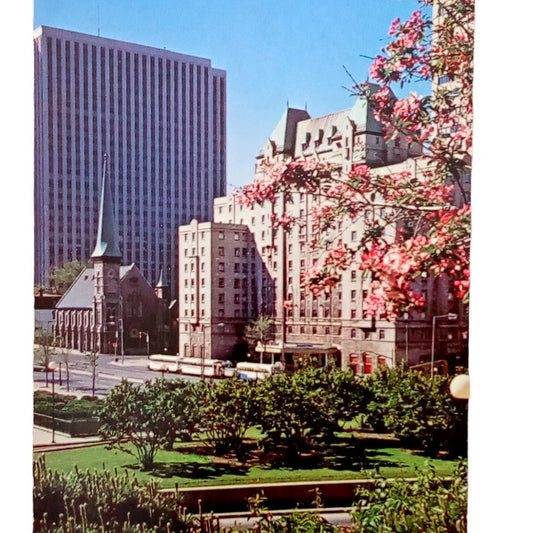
(109, 372)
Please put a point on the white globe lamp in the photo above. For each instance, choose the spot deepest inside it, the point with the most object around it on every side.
(460, 387)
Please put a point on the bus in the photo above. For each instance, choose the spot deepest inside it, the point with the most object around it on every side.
(195, 366)
(293, 355)
(256, 371)
(163, 363)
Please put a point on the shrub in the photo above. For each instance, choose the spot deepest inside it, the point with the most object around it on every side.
(430, 504)
(65, 406)
(419, 410)
(103, 502)
(227, 410)
(301, 410)
(303, 522)
(139, 415)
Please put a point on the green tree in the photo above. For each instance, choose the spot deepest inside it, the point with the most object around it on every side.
(228, 409)
(300, 410)
(92, 359)
(64, 356)
(137, 415)
(418, 410)
(44, 349)
(261, 330)
(181, 400)
(61, 278)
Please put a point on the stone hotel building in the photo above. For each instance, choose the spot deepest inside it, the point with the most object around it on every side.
(237, 267)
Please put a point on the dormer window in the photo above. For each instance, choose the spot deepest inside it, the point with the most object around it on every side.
(332, 132)
(305, 145)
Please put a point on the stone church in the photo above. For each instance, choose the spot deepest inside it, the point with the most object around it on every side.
(110, 308)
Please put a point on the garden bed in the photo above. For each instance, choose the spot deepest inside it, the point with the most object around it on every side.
(68, 414)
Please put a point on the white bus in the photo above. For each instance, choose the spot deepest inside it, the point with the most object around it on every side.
(255, 371)
(195, 366)
(163, 363)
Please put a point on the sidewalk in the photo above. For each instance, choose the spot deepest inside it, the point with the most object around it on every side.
(39, 385)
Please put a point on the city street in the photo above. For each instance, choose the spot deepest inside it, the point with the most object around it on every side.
(109, 372)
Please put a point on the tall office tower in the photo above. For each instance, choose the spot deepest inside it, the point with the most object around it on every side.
(161, 118)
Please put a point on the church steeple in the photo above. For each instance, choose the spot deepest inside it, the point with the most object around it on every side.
(161, 289)
(107, 237)
(162, 280)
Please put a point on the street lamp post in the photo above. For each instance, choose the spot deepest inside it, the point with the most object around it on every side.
(449, 316)
(202, 354)
(121, 326)
(115, 344)
(52, 367)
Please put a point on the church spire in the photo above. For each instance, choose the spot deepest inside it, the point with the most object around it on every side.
(162, 280)
(107, 238)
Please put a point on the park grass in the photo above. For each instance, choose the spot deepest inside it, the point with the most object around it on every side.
(185, 466)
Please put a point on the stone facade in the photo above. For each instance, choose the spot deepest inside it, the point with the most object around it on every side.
(333, 322)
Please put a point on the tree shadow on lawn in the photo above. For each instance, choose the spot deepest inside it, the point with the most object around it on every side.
(344, 453)
(197, 470)
(355, 454)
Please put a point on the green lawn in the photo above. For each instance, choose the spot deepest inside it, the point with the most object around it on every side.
(188, 468)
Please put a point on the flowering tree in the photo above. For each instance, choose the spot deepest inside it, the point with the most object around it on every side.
(423, 225)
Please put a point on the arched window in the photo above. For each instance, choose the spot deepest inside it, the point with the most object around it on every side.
(367, 363)
(354, 362)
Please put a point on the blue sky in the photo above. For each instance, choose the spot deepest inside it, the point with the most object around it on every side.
(274, 51)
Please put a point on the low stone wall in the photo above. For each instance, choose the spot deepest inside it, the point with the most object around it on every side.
(75, 428)
(279, 495)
